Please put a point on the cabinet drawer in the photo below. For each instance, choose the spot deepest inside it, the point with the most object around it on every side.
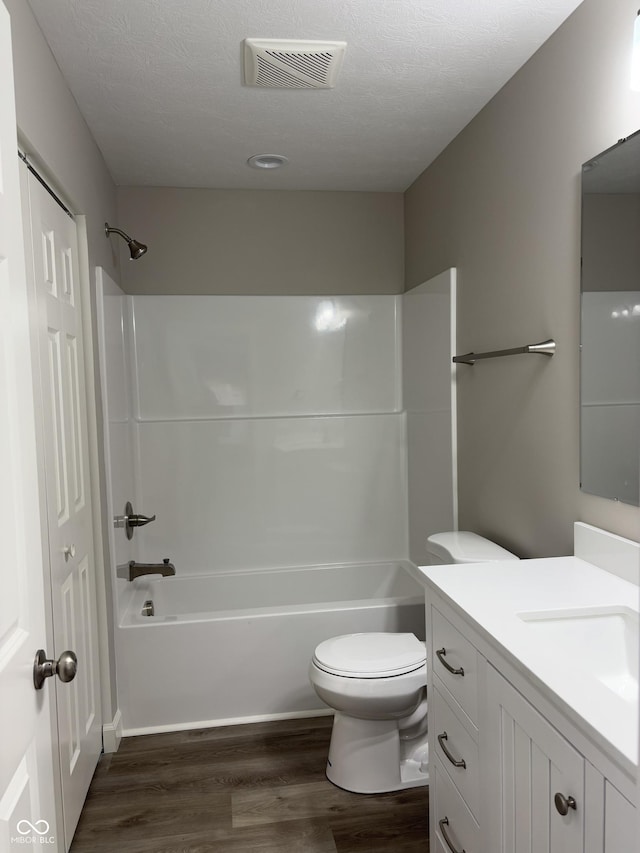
(451, 651)
(447, 734)
(453, 824)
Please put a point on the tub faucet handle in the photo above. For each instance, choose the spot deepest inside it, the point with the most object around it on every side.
(137, 520)
(131, 519)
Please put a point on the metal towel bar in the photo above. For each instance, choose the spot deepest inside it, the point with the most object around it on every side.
(544, 348)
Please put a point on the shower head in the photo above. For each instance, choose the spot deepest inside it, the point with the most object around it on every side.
(137, 249)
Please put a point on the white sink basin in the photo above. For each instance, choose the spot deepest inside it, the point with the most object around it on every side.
(600, 641)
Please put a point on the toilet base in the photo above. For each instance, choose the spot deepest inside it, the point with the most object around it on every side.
(368, 756)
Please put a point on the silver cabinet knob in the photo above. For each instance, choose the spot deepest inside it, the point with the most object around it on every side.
(563, 804)
(65, 667)
(69, 551)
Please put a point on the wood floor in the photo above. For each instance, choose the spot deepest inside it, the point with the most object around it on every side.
(241, 788)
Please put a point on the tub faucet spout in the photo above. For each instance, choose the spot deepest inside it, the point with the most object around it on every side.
(132, 570)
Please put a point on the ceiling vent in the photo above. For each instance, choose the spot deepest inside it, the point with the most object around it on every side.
(292, 64)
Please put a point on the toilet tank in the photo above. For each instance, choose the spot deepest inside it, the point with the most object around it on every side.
(462, 546)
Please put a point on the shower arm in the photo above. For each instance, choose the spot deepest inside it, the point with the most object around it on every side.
(108, 229)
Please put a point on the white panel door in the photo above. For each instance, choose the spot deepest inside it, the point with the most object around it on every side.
(64, 434)
(27, 786)
(533, 764)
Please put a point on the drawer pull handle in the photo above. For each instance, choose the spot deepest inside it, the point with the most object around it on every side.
(563, 804)
(441, 653)
(442, 823)
(457, 762)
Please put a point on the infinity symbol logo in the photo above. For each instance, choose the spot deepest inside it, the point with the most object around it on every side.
(24, 827)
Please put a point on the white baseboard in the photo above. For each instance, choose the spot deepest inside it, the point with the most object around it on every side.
(112, 733)
(231, 721)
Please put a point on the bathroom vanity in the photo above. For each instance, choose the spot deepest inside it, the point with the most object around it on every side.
(533, 704)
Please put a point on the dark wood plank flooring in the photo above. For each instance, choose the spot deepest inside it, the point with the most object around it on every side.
(241, 788)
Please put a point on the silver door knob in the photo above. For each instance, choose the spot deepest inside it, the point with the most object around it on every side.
(65, 667)
(69, 551)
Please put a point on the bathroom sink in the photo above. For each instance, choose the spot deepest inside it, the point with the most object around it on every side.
(599, 641)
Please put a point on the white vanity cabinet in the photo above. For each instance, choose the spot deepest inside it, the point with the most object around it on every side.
(504, 778)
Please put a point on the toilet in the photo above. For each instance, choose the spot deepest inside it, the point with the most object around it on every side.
(377, 685)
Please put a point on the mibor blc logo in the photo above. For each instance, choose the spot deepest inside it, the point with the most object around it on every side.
(32, 833)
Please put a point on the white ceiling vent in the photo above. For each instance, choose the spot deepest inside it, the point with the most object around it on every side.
(292, 64)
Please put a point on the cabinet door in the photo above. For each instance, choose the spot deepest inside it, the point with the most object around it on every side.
(620, 825)
(529, 763)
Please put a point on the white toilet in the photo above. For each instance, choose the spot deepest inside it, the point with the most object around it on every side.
(377, 684)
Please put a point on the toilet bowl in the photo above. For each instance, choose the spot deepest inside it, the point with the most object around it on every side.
(377, 684)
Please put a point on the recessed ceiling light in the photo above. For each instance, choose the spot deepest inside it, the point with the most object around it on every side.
(267, 161)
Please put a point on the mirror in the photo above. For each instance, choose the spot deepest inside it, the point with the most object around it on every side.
(610, 324)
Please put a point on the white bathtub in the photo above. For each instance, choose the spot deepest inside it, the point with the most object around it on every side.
(235, 647)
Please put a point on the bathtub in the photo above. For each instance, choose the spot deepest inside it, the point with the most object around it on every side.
(235, 647)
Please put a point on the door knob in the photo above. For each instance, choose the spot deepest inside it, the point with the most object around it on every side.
(65, 667)
(69, 551)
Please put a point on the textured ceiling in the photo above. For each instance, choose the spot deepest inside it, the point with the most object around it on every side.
(159, 83)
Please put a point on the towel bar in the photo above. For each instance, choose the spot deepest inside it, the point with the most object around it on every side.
(544, 348)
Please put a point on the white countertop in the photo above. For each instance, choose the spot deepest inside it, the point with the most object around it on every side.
(491, 595)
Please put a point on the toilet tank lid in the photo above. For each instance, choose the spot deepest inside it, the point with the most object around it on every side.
(462, 546)
(374, 655)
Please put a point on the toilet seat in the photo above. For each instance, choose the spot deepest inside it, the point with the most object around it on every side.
(370, 655)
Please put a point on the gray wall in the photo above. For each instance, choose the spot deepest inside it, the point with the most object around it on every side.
(51, 128)
(502, 204)
(54, 133)
(204, 241)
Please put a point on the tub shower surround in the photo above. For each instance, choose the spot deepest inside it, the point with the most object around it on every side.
(269, 437)
(268, 430)
(115, 381)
